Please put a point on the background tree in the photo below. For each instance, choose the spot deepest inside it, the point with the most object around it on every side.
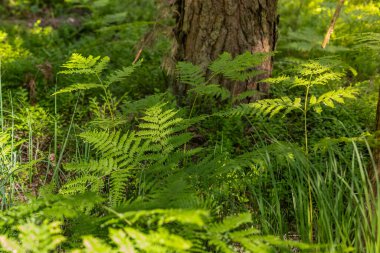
(207, 28)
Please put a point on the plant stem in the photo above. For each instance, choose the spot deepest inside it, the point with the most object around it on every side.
(106, 96)
(305, 119)
(1, 101)
(310, 204)
(55, 174)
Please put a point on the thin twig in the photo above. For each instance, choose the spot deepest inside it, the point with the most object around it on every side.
(332, 24)
(138, 55)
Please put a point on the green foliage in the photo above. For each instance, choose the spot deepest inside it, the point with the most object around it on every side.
(146, 175)
(241, 68)
(212, 90)
(33, 237)
(160, 238)
(123, 155)
(266, 107)
(78, 87)
(330, 97)
(78, 64)
(11, 50)
(120, 75)
(190, 74)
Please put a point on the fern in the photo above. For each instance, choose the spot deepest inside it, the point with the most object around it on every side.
(42, 238)
(320, 73)
(212, 90)
(246, 94)
(190, 74)
(82, 184)
(330, 97)
(101, 166)
(120, 75)
(266, 107)
(77, 87)
(123, 155)
(241, 68)
(369, 41)
(78, 64)
(230, 223)
(160, 126)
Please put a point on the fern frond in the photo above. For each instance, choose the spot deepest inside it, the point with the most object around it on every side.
(118, 185)
(78, 64)
(120, 75)
(159, 126)
(107, 143)
(92, 245)
(303, 40)
(217, 231)
(241, 68)
(190, 74)
(155, 143)
(220, 245)
(81, 184)
(230, 223)
(369, 41)
(330, 97)
(78, 86)
(246, 94)
(158, 241)
(276, 80)
(10, 244)
(313, 68)
(327, 142)
(299, 81)
(327, 77)
(166, 216)
(120, 238)
(102, 166)
(212, 90)
(266, 107)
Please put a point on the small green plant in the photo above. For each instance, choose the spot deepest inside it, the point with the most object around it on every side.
(238, 69)
(311, 76)
(94, 67)
(124, 155)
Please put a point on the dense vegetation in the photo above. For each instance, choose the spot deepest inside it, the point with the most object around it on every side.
(99, 155)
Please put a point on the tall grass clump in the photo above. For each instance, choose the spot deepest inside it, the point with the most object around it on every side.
(345, 208)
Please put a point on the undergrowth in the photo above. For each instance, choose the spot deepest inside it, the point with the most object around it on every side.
(98, 155)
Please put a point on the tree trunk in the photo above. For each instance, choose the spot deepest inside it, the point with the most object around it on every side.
(207, 28)
(376, 152)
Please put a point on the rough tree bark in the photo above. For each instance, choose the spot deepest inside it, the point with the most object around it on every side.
(207, 28)
(376, 151)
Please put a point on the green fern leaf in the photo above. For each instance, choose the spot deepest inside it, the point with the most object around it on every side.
(246, 94)
(78, 86)
(330, 97)
(82, 184)
(266, 107)
(241, 68)
(120, 75)
(212, 90)
(230, 223)
(276, 80)
(190, 74)
(78, 64)
(102, 166)
(119, 180)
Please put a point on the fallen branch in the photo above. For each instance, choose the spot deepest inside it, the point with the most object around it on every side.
(332, 24)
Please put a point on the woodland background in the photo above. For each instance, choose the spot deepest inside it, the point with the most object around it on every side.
(99, 152)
